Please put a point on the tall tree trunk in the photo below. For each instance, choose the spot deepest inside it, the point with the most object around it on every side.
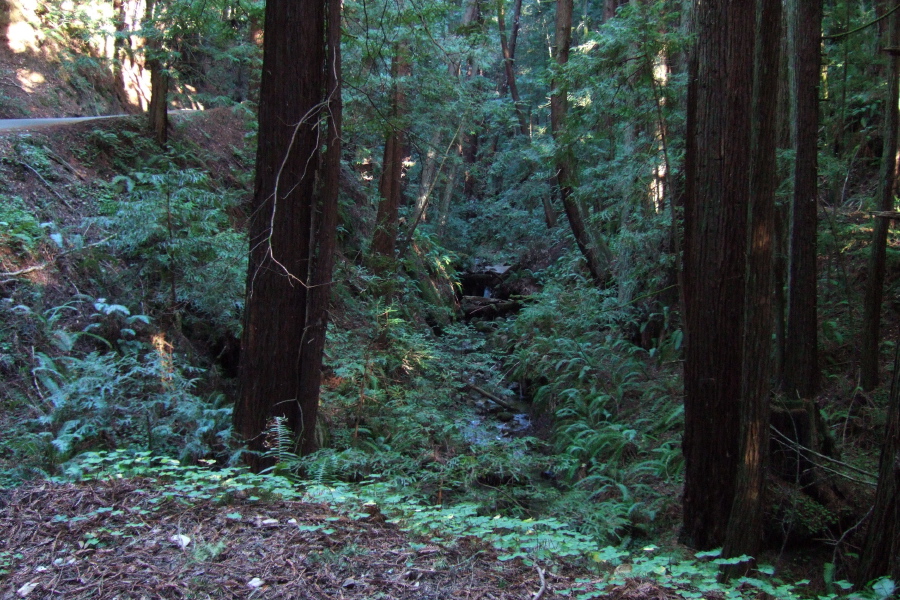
(871, 324)
(514, 35)
(384, 240)
(444, 212)
(717, 186)
(801, 373)
(470, 136)
(597, 258)
(118, 55)
(157, 112)
(510, 70)
(745, 525)
(782, 211)
(293, 230)
(881, 550)
(427, 179)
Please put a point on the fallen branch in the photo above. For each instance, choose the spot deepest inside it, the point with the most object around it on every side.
(540, 592)
(65, 165)
(25, 271)
(44, 265)
(46, 183)
(14, 84)
(493, 397)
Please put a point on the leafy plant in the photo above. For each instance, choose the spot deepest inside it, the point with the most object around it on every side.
(176, 223)
(19, 228)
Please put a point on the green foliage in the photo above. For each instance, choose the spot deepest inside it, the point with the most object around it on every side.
(20, 230)
(176, 223)
(698, 577)
(131, 400)
(101, 385)
(179, 481)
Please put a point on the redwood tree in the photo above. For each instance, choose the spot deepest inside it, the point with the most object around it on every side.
(881, 550)
(157, 111)
(801, 372)
(717, 188)
(745, 523)
(293, 229)
(597, 258)
(868, 364)
(390, 185)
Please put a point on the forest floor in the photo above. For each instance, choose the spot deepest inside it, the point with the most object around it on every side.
(120, 539)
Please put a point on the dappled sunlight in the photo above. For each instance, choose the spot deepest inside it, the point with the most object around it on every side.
(22, 35)
(164, 351)
(30, 79)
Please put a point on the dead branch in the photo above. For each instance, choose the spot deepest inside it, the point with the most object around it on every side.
(46, 183)
(491, 396)
(540, 592)
(44, 265)
(25, 271)
(797, 446)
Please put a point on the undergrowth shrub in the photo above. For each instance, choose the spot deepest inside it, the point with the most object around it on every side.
(20, 230)
(176, 224)
(615, 406)
(106, 379)
(106, 401)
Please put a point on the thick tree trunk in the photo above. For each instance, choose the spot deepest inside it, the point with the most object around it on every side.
(871, 324)
(717, 168)
(118, 54)
(881, 550)
(292, 233)
(597, 258)
(801, 373)
(783, 212)
(158, 109)
(744, 532)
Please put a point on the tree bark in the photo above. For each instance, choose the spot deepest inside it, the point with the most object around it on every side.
(293, 230)
(717, 184)
(745, 525)
(881, 550)
(801, 373)
(444, 212)
(509, 67)
(871, 324)
(384, 240)
(598, 259)
(157, 112)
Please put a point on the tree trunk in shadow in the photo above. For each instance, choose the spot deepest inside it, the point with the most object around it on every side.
(597, 258)
(871, 324)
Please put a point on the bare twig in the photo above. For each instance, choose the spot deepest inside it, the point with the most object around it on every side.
(837, 544)
(797, 446)
(540, 592)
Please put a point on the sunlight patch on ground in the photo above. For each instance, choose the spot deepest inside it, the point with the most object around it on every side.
(29, 79)
(19, 20)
